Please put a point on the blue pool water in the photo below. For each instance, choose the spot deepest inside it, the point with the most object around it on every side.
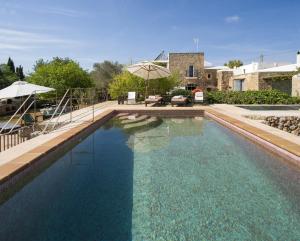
(185, 179)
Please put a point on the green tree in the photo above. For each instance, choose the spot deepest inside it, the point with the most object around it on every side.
(60, 74)
(103, 73)
(19, 72)
(7, 77)
(125, 82)
(234, 63)
(11, 65)
(39, 63)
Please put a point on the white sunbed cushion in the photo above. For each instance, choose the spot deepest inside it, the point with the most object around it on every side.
(178, 96)
(131, 95)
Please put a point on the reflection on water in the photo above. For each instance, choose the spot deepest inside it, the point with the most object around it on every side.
(151, 139)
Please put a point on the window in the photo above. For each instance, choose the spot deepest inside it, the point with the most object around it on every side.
(209, 76)
(190, 86)
(238, 84)
(191, 71)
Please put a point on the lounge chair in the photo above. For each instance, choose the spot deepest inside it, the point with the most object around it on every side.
(153, 99)
(198, 97)
(28, 119)
(131, 98)
(179, 100)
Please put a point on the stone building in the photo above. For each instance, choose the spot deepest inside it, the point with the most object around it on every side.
(296, 85)
(192, 70)
(190, 67)
(254, 76)
(223, 78)
(211, 75)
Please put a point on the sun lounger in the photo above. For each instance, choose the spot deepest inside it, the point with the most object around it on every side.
(179, 100)
(153, 99)
(131, 98)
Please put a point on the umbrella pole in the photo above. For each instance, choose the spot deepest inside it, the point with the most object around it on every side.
(34, 109)
(146, 83)
(146, 89)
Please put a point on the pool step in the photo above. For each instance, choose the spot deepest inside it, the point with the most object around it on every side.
(136, 119)
(122, 114)
(146, 122)
(128, 116)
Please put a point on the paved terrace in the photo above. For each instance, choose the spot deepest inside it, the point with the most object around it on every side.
(239, 114)
(17, 158)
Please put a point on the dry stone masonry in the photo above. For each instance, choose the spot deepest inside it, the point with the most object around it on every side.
(289, 124)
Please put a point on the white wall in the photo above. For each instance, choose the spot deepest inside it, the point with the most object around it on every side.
(246, 69)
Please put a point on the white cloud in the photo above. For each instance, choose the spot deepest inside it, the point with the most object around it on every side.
(232, 19)
(13, 9)
(62, 11)
(21, 40)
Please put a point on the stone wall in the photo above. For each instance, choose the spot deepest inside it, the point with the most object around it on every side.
(258, 81)
(211, 80)
(289, 124)
(296, 85)
(284, 85)
(250, 81)
(180, 62)
(223, 78)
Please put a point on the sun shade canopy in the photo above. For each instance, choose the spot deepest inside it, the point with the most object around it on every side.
(148, 70)
(22, 88)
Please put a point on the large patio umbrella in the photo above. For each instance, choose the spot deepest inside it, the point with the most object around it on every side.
(22, 88)
(147, 70)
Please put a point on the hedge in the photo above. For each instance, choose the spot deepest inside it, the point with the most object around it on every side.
(250, 97)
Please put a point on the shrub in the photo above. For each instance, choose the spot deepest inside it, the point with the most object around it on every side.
(250, 97)
(183, 92)
(126, 82)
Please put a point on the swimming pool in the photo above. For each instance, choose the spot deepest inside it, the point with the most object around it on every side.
(177, 179)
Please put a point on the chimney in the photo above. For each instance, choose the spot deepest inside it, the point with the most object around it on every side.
(298, 58)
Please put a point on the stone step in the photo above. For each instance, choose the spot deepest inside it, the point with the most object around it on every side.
(122, 114)
(128, 117)
(137, 119)
(146, 122)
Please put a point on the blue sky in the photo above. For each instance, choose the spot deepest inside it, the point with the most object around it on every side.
(120, 30)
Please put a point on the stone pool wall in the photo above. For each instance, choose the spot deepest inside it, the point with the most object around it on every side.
(289, 124)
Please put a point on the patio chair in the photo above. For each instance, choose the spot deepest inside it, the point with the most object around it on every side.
(28, 120)
(198, 97)
(153, 99)
(179, 100)
(131, 98)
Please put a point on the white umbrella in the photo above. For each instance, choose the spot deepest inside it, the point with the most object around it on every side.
(148, 70)
(22, 88)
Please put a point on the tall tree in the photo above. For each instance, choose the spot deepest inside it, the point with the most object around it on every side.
(7, 77)
(103, 73)
(19, 72)
(11, 65)
(60, 74)
(234, 63)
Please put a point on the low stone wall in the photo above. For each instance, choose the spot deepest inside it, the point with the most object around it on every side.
(290, 124)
